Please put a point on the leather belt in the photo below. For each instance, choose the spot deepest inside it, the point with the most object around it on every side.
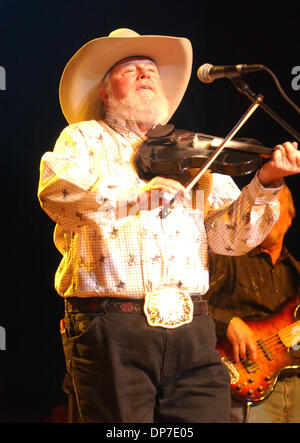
(75, 305)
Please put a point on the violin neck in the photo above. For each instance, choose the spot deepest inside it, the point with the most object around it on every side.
(244, 145)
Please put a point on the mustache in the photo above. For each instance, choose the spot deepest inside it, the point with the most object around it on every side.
(147, 85)
(150, 84)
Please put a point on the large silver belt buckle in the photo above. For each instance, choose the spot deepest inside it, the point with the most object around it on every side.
(168, 307)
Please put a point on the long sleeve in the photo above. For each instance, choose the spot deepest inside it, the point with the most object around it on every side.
(237, 222)
(73, 188)
(219, 296)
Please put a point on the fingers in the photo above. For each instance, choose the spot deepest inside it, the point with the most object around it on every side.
(288, 145)
(248, 350)
(236, 353)
(160, 191)
(242, 339)
(167, 185)
(287, 153)
(244, 350)
(285, 161)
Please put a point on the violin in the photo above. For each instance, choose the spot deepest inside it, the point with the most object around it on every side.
(179, 143)
(169, 151)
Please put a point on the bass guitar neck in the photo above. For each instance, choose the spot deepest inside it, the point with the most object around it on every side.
(278, 350)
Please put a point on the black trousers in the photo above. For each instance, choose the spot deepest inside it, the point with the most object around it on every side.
(125, 371)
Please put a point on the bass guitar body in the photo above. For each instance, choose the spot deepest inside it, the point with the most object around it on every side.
(278, 350)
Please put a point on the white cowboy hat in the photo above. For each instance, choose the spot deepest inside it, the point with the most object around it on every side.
(81, 78)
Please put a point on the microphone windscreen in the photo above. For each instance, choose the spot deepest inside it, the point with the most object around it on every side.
(203, 73)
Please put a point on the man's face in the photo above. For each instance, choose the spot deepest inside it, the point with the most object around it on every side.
(134, 74)
(134, 90)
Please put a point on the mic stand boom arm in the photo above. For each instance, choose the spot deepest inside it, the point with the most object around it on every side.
(244, 88)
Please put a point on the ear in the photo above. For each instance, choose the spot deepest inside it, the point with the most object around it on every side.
(103, 95)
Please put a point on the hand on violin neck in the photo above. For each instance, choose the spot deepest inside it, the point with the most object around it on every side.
(159, 190)
(285, 161)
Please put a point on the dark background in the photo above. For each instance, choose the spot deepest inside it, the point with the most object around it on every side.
(37, 40)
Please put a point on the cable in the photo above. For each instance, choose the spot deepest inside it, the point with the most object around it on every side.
(281, 90)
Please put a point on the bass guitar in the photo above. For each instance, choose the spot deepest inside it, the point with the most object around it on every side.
(278, 350)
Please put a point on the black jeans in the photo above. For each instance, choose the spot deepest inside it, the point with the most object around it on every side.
(125, 371)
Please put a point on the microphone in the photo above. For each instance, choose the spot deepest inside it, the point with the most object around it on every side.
(208, 73)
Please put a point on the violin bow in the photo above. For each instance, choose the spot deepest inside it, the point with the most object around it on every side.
(191, 183)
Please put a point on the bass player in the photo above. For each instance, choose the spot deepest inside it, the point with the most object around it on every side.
(256, 285)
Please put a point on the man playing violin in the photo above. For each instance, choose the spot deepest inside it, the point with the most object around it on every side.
(138, 342)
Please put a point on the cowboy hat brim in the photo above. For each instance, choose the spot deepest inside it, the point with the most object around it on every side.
(81, 78)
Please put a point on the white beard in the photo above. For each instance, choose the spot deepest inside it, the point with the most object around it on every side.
(145, 106)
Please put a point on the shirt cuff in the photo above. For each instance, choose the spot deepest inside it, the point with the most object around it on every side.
(264, 194)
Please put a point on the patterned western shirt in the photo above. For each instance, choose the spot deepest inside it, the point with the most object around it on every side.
(110, 245)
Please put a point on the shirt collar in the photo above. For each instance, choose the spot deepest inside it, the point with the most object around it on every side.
(123, 126)
(259, 250)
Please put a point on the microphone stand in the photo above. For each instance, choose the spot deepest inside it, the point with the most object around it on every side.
(244, 88)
